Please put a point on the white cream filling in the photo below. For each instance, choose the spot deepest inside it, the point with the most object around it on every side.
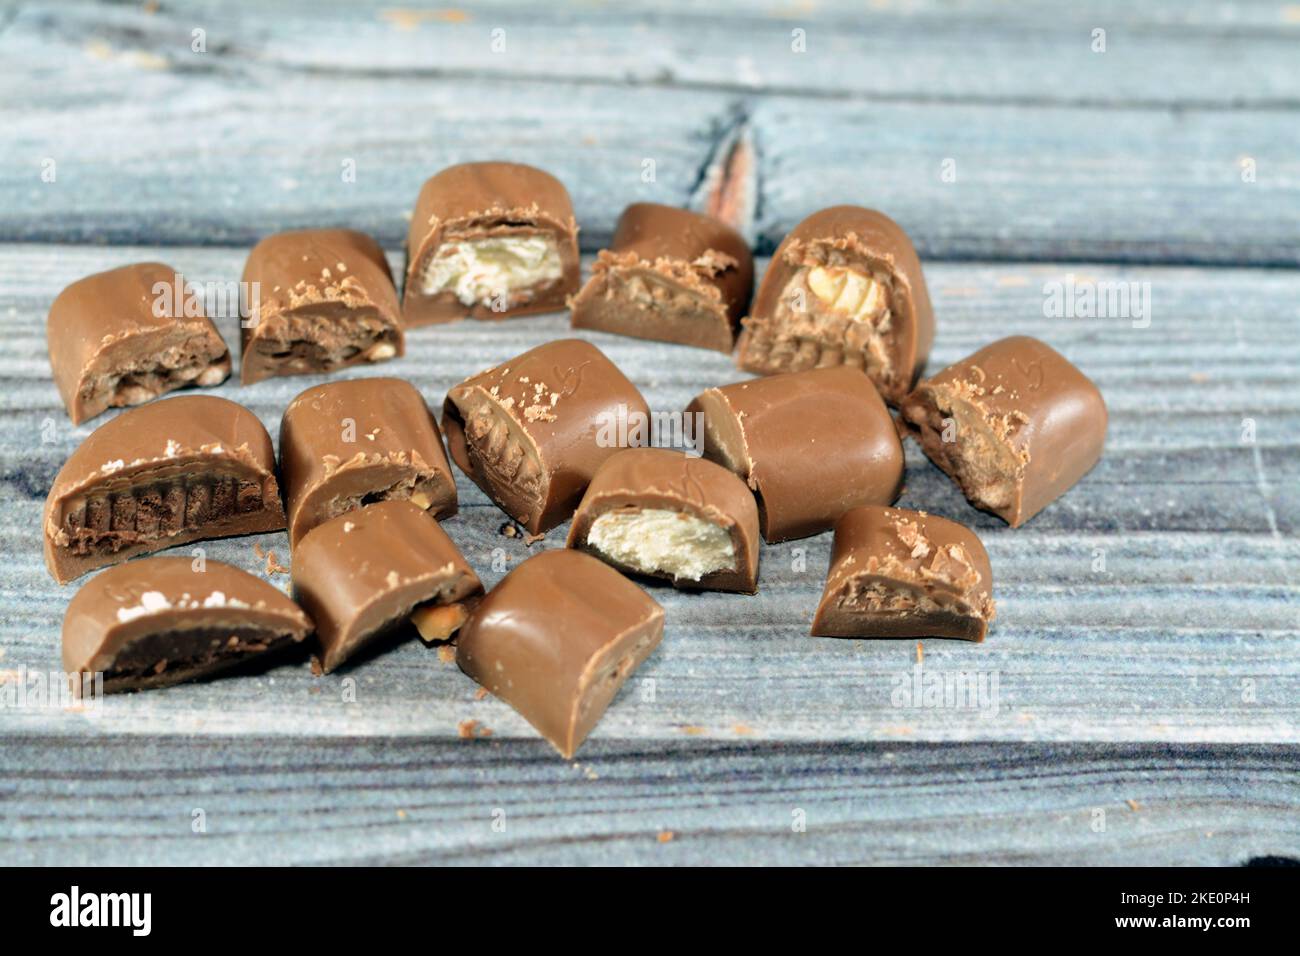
(479, 270)
(655, 540)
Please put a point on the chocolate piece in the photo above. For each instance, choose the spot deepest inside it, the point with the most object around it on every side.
(162, 621)
(844, 288)
(671, 275)
(176, 471)
(557, 638)
(1015, 425)
(348, 444)
(669, 515)
(128, 335)
(489, 240)
(363, 573)
(897, 573)
(324, 300)
(810, 444)
(532, 431)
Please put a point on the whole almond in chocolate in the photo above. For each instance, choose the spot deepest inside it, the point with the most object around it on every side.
(348, 444)
(1015, 425)
(364, 573)
(128, 335)
(557, 638)
(492, 241)
(317, 300)
(176, 471)
(897, 573)
(844, 288)
(671, 275)
(669, 515)
(161, 621)
(532, 431)
(810, 444)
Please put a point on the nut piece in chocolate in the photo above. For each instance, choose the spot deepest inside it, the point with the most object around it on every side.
(324, 300)
(669, 515)
(128, 335)
(897, 573)
(557, 638)
(671, 275)
(348, 444)
(810, 444)
(1015, 426)
(364, 573)
(492, 241)
(532, 431)
(161, 621)
(176, 471)
(844, 288)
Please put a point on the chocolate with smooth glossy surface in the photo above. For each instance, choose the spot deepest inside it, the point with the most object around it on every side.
(557, 638)
(810, 444)
(1015, 426)
(176, 471)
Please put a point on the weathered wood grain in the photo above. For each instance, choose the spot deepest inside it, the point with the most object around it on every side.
(111, 95)
(1190, 633)
(384, 801)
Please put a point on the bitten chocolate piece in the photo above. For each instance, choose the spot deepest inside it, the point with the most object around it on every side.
(490, 240)
(532, 431)
(348, 444)
(557, 638)
(176, 471)
(897, 573)
(161, 621)
(128, 335)
(844, 288)
(325, 300)
(810, 444)
(363, 573)
(669, 515)
(1015, 425)
(672, 275)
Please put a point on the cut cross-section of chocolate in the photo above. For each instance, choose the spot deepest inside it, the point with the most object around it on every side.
(128, 335)
(672, 275)
(897, 573)
(160, 621)
(348, 444)
(165, 474)
(364, 573)
(492, 241)
(843, 288)
(317, 300)
(810, 444)
(1015, 425)
(669, 515)
(557, 638)
(532, 431)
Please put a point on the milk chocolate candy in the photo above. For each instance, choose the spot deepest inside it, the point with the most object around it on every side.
(348, 444)
(669, 515)
(810, 444)
(532, 431)
(1015, 425)
(897, 573)
(366, 572)
(128, 335)
(490, 240)
(161, 621)
(317, 300)
(844, 288)
(670, 275)
(557, 638)
(179, 470)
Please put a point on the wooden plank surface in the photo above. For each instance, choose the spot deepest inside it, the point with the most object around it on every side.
(1170, 677)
